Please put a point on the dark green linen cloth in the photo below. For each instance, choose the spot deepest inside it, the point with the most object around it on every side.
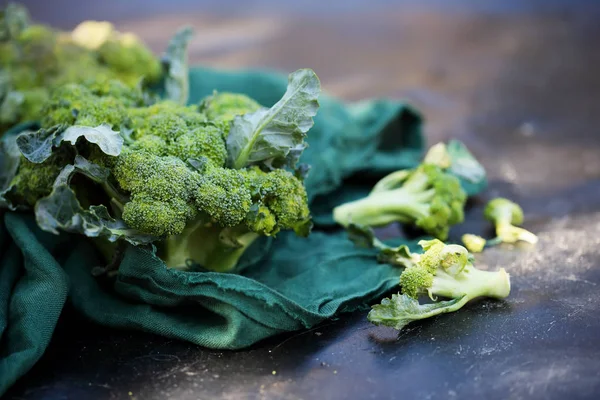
(284, 284)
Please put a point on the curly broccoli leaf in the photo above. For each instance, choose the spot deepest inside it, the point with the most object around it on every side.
(402, 309)
(38, 146)
(463, 164)
(9, 164)
(364, 236)
(400, 256)
(175, 62)
(275, 136)
(61, 209)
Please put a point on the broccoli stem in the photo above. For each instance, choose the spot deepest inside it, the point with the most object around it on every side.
(403, 205)
(509, 233)
(471, 283)
(202, 244)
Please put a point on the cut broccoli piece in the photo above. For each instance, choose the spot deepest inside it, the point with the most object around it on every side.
(442, 271)
(428, 197)
(505, 215)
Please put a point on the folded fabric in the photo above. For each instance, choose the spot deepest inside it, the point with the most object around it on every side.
(280, 285)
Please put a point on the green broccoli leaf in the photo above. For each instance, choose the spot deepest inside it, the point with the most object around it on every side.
(61, 209)
(363, 236)
(37, 146)
(176, 65)
(9, 164)
(402, 309)
(400, 256)
(463, 164)
(275, 136)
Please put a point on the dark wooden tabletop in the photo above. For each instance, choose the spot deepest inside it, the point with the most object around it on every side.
(517, 81)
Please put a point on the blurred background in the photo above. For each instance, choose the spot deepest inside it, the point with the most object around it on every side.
(496, 73)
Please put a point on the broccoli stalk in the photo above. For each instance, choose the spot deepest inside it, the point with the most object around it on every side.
(428, 196)
(445, 271)
(505, 214)
(206, 244)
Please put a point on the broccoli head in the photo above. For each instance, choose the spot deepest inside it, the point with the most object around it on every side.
(505, 215)
(442, 271)
(160, 172)
(427, 196)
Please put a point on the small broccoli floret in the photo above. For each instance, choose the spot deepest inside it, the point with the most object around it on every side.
(474, 243)
(428, 197)
(184, 130)
(206, 141)
(223, 108)
(34, 181)
(442, 271)
(162, 190)
(284, 196)
(224, 195)
(126, 55)
(505, 214)
(90, 104)
(414, 279)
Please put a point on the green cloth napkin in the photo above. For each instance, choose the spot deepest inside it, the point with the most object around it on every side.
(281, 285)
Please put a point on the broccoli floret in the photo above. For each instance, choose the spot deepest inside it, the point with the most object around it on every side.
(442, 271)
(167, 128)
(224, 194)
(428, 197)
(91, 104)
(34, 181)
(284, 197)
(505, 214)
(162, 190)
(222, 108)
(474, 243)
(130, 59)
(236, 207)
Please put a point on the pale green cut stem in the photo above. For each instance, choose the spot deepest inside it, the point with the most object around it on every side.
(472, 283)
(202, 245)
(382, 208)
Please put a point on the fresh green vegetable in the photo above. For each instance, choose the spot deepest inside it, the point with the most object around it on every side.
(505, 214)
(107, 164)
(473, 243)
(35, 59)
(444, 271)
(363, 236)
(428, 196)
